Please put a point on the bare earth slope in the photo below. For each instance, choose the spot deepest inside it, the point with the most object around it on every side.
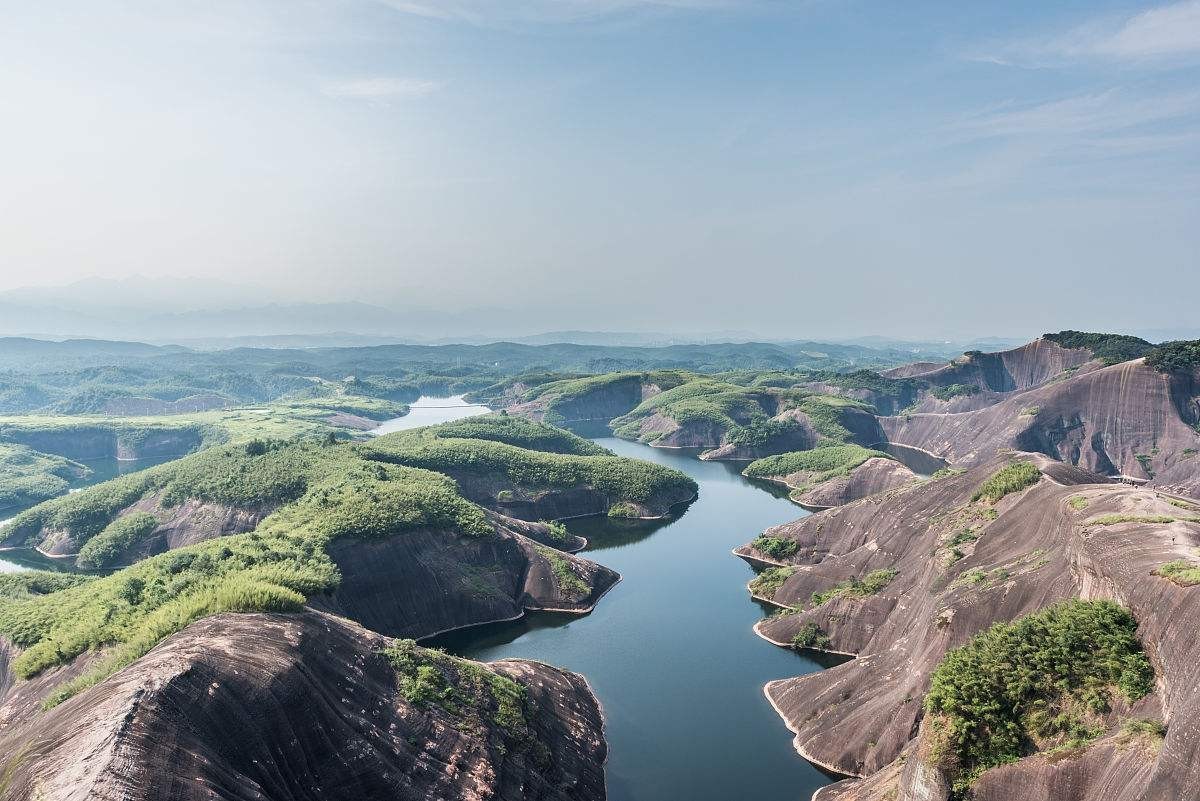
(291, 707)
(1056, 540)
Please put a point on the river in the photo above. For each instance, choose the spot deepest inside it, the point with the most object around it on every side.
(670, 650)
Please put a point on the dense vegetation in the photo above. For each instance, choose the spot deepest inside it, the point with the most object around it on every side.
(741, 415)
(1042, 680)
(1013, 478)
(522, 433)
(955, 390)
(1109, 348)
(1175, 357)
(822, 464)
(107, 547)
(28, 477)
(811, 636)
(775, 547)
(621, 480)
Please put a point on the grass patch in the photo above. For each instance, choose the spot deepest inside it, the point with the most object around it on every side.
(1147, 733)
(1013, 478)
(1116, 519)
(1181, 571)
(1035, 680)
(955, 390)
(766, 583)
(1078, 503)
(569, 584)
(856, 587)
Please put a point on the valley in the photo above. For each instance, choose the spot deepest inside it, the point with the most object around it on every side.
(888, 524)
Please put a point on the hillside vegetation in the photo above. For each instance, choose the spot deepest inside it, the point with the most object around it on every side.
(743, 415)
(822, 463)
(29, 477)
(1045, 679)
(1109, 348)
(320, 493)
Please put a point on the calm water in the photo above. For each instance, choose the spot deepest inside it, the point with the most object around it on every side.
(13, 561)
(670, 651)
(426, 411)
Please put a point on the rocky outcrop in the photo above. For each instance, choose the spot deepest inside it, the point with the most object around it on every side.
(302, 706)
(423, 583)
(872, 476)
(599, 404)
(1127, 419)
(961, 565)
(1021, 368)
(185, 523)
(102, 442)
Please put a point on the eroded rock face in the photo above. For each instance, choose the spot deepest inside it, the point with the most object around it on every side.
(291, 707)
(1028, 366)
(1056, 540)
(1128, 419)
(421, 583)
(872, 476)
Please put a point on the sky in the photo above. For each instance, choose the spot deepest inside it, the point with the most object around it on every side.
(808, 168)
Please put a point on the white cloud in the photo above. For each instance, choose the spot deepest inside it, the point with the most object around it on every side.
(1166, 32)
(379, 89)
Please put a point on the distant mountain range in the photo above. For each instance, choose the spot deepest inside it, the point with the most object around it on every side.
(212, 315)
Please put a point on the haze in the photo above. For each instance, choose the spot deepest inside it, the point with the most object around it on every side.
(782, 168)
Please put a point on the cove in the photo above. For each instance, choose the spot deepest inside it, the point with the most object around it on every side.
(670, 650)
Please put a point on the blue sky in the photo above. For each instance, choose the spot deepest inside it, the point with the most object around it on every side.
(792, 168)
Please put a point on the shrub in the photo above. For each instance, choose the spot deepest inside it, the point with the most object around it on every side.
(622, 509)
(461, 688)
(1013, 478)
(988, 696)
(811, 636)
(775, 547)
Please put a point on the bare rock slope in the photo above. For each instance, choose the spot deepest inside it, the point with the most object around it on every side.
(306, 706)
(898, 579)
(1127, 419)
